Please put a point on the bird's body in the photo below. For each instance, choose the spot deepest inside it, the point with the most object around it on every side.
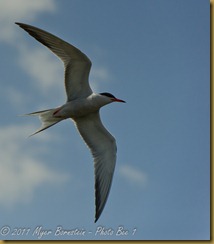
(82, 106)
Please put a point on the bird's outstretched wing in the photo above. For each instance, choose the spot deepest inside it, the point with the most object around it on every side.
(103, 148)
(77, 64)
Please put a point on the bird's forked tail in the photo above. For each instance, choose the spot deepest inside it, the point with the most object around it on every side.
(47, 118)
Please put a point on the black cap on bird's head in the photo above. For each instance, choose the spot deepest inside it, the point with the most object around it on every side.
(113, 98)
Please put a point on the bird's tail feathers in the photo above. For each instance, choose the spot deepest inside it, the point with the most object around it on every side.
(47, 119)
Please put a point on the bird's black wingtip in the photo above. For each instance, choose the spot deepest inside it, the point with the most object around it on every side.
(20, 24)
(96, 218)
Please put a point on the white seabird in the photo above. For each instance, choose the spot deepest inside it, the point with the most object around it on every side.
(82, 107)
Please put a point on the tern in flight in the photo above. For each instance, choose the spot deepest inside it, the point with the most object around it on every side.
(82, 106)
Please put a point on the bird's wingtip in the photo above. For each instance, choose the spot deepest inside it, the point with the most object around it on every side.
(95, 220)
(20, 24)
(97, 215)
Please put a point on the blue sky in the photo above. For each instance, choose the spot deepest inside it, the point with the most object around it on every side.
(152, 53)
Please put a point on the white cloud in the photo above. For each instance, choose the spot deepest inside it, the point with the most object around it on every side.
(133, 175)
(44, 70)
(21, 171)
(43, 67)
(99, 73)
(20, 10)
(15, 97)
(98, 76)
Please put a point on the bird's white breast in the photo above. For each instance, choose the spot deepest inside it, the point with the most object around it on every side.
(80, 107)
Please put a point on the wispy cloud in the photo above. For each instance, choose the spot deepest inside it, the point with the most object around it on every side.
(20, 10)
(99, 75)
(14, 97)
(21, 171)
(43, 70)
(134, 175)
(43, 67)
